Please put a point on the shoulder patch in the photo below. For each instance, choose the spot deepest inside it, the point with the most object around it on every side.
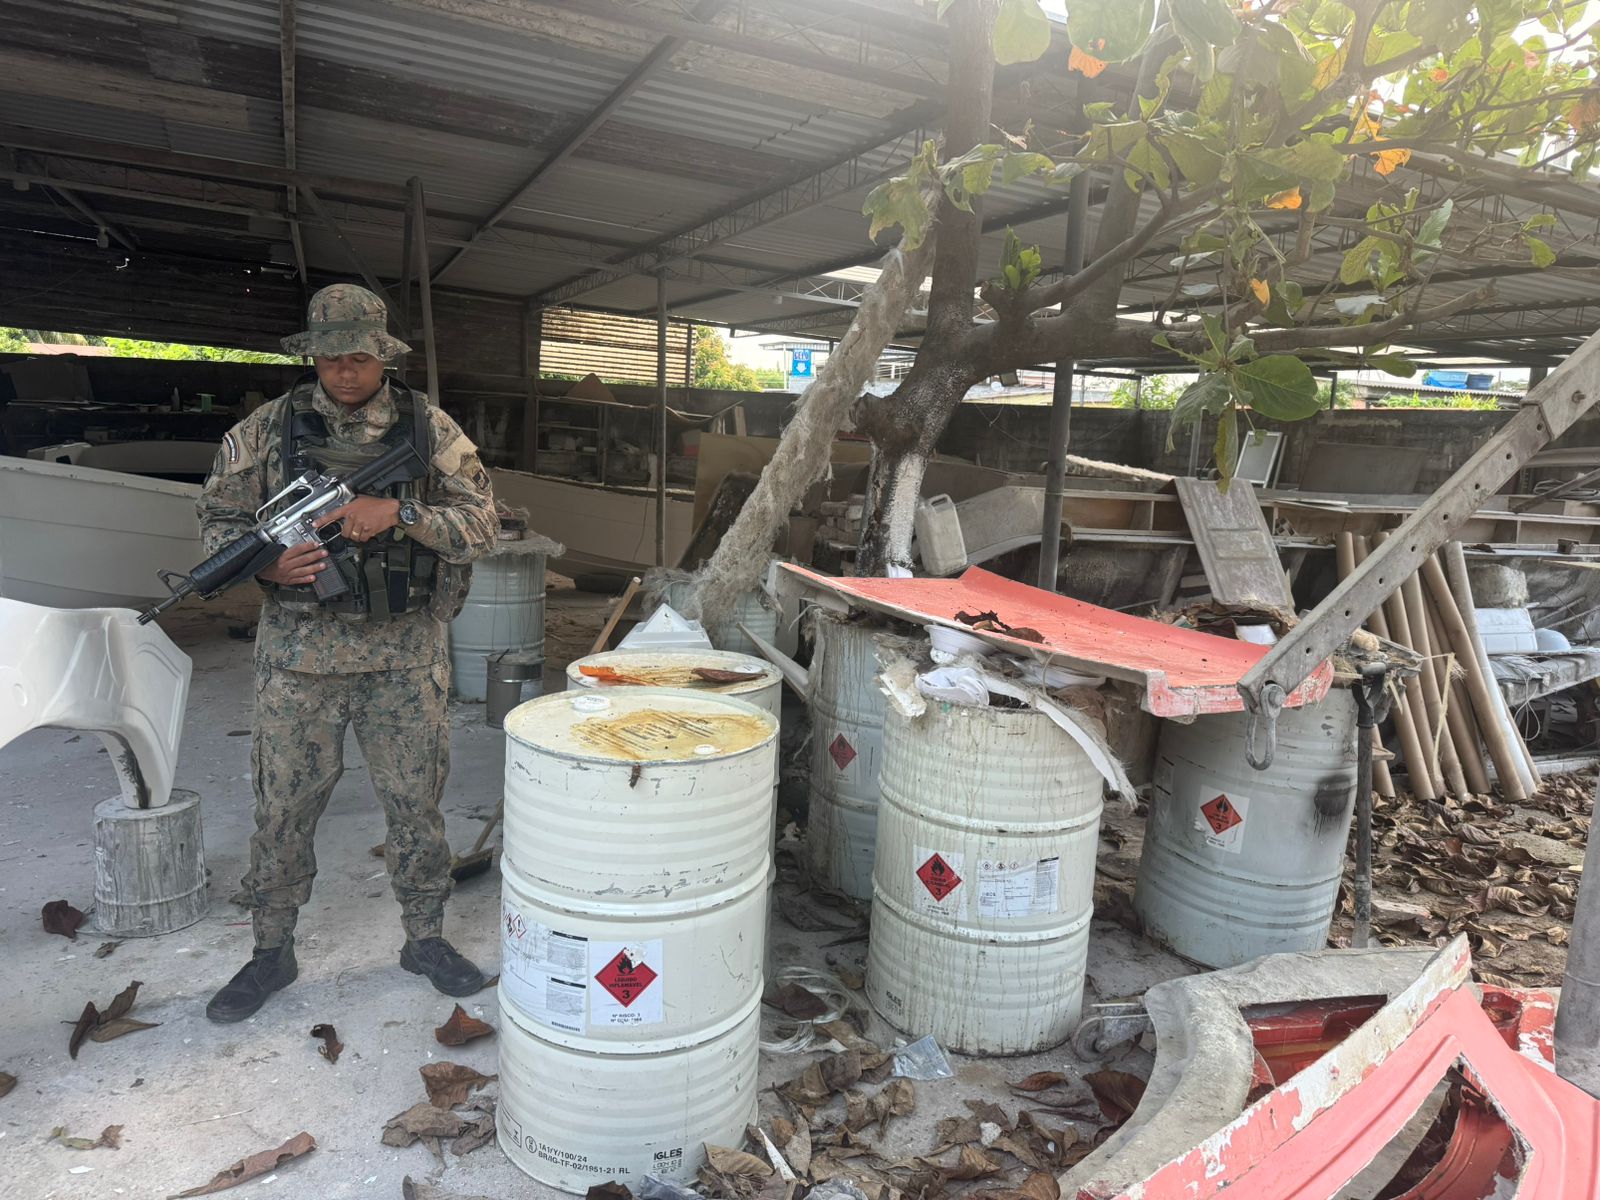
(448, 459)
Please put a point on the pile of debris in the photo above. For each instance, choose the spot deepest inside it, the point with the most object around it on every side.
(1504, 874)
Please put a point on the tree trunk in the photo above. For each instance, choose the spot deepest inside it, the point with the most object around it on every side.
(803, 452)
(905, 427)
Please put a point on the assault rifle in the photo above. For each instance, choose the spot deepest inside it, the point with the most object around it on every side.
(295, 513)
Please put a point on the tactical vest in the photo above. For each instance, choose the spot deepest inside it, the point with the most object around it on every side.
(391, 574)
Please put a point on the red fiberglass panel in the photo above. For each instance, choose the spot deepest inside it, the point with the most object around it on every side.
(1184, 672)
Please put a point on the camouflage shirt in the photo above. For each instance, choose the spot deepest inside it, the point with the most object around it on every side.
(458, 523)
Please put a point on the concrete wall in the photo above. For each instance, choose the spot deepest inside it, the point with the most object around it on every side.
(1015, 438)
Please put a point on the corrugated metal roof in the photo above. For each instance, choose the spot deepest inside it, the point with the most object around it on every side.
(712, 130)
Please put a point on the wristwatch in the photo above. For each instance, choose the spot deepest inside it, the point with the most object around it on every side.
(410, 514)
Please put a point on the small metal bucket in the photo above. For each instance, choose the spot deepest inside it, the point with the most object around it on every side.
(508, 674)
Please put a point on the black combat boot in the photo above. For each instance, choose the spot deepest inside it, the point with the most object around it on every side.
(448, 971)
(265, 973)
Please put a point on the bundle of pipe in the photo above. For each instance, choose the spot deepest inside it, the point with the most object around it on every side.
(1450, 727)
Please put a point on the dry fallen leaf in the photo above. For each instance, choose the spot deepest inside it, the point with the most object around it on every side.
(331, 1045)
(717, 675)
(475, 1133)
(7, 1082)
(736, 1163)
(1039, 1081)
(461, 1029)
(609, 1191)
(110, 1137)
(104, 1026)
(1117, 1091)
(105, 949)
(897, 1098)
(797, 1148)
(59, 917)
(449, 1084)
(108, 1030)
(973, 1163)
(421, 1121)
(795, 1001)
(255, 1165)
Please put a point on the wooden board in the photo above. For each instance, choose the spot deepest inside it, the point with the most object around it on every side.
(1235, 546)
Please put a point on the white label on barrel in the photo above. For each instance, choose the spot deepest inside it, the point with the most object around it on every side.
(625, 984)
(938, 887)
(1016, 888)
(543, 970)
(1220, 820)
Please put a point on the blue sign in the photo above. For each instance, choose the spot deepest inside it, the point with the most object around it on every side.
(800, 364)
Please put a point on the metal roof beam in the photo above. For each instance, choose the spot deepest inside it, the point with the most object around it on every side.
(345, 244)
(1021, 216)
(698, 30)
(658, 57)
(104, 228)
(865, 165)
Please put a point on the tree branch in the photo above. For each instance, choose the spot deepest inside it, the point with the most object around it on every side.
(1364, 335)
(1066, 289)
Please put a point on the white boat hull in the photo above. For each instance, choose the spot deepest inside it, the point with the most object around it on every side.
(77, 537)
(604, 531)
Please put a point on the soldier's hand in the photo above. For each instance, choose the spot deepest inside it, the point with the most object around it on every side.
(365, 517)
(297, 566)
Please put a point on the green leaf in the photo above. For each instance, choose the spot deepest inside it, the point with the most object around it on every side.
(900, 201)
(1433, 228)
(1357, 264)
(1393, 364)
(1209, 393)
(1208, 21)
(1017, 166)
(1200, 162)
(1539, 221)
(1111, 30)
(1215, 334)
(1279, 386)
(1021, 32)
(1540, 252)
(1226, 449)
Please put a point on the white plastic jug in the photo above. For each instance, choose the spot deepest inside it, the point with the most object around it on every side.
(944, 550)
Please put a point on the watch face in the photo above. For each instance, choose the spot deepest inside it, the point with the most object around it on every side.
(408, 513)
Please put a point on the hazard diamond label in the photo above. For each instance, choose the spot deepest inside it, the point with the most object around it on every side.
(625, 979)
(1221, 815)
(842, 751)
(938, 876)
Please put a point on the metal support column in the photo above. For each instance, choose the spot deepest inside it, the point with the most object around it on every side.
(533, 343)
(661, 418)
(1333, 390)
(1055, 482)
(419, 242)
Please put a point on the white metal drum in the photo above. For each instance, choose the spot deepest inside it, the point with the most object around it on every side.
(504, 610)
(636, 877)
(690, 969)
(846, 753)
(1238, 863)
(580, 826)
(676, 669)
(984, 878)
(572, 1119)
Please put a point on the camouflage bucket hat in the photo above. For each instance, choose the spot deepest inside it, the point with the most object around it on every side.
(344, 318)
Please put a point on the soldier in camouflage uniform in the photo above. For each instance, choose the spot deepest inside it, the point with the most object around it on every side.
(375, 658)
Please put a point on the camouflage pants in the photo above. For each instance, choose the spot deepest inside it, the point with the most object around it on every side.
(297, 756)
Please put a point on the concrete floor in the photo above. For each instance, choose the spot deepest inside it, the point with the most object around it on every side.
(194, 1097)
